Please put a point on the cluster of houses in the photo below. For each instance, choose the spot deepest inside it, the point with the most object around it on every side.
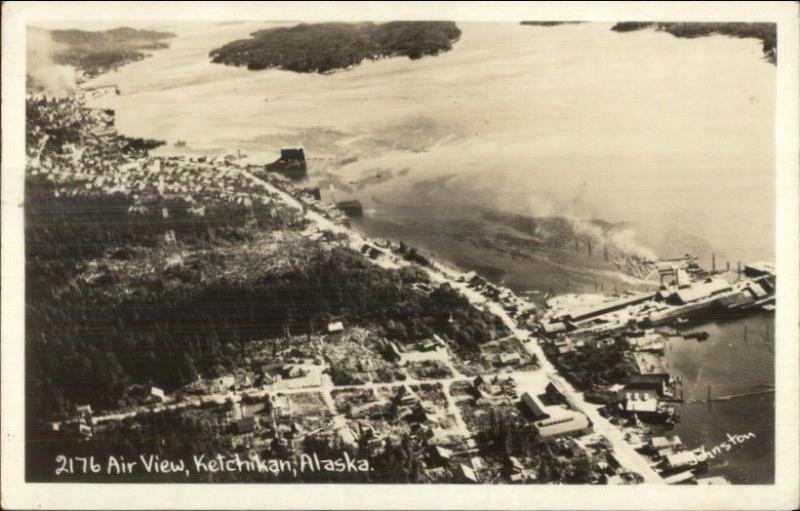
(80, 426)
(516, 307)
(493, 390)
(103, 162)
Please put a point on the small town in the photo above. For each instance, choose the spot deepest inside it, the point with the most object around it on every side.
(565, 388)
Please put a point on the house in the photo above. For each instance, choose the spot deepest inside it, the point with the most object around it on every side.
(347, 436)
(515, 463)
(427, 345)
(641, 403)
(220, 384)
(440, 455)
(243, 381)
(683, 459)
(293, 371)
(406, 398)
(605, 395)
(395, 352)
(297, 429)
(83, 410)
(466, 475)
(266, 376)
(77, 428)
(427, 406)
(156, 394)
(466, 277)
(564, 345)
(335, 327)
(245, 425)
(508, 359)
(666, 445)
(656, 384)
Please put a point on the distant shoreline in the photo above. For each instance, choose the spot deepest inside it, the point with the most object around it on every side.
(326, 47)
(765, 32)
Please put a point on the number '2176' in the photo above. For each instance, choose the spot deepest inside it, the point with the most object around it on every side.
(79, 465)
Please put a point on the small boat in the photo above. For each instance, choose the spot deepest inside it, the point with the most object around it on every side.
(180, 143)
(680, 477)
(700, 336)
(682, 321)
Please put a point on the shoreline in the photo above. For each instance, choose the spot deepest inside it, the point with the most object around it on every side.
(440, 273)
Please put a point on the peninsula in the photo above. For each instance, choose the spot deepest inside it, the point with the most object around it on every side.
(766, 32)
(95, 52)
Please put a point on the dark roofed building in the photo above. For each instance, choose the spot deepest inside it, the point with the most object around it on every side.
(656, 383)
(293, 154)
(245, 425)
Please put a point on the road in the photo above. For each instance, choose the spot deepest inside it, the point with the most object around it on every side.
(625, 453)
(533, 381)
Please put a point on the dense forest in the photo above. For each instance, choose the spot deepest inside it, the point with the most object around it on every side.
(124, 306)
(766, 32)
(95, 52)
(324, 47)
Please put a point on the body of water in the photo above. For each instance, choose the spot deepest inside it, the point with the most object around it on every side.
(674, 137)
(737, 358)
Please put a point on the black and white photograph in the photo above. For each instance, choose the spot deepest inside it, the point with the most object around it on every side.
(337, 248)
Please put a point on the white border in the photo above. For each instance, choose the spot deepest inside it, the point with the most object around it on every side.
(16, 494)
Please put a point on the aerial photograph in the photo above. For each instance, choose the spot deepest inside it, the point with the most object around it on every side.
(408, 252)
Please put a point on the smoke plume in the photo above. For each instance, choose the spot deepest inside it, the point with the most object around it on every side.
(42, 70)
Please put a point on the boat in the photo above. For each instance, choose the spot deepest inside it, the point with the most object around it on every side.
(682, 321)
(180, 143)
(680, 477)
(700, 336)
